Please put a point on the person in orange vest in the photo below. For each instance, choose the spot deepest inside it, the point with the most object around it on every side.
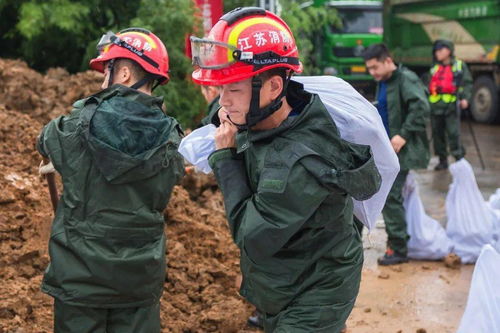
(450, 91)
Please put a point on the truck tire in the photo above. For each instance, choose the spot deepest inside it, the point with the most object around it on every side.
(485, 100)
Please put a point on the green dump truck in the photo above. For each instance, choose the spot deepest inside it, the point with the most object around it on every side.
(411, 26)
(341, 45)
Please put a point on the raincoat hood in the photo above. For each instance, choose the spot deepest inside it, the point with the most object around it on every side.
(125, 131)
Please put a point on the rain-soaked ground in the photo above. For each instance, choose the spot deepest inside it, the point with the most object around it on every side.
(424, 296)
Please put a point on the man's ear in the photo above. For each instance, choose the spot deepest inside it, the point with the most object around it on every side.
(124, 76)
(276, 83)
(214, 91)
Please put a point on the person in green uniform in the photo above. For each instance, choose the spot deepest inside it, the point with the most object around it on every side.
(450, 89)
(287, 177)
(402, 104)
(211, 95)
(117, 156)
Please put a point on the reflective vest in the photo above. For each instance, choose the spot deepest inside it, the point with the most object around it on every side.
(443, 85)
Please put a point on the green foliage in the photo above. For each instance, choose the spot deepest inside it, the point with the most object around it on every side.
(58, 32)
(173, 23)
(307, 25)
(62, 14)
(232, 4)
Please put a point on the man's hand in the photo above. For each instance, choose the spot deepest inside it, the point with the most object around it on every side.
(45, 169)
(397, 143)
(225, 135)
(464, 104)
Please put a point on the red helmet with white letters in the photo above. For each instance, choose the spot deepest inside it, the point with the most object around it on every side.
(242, 44)
(136, 44)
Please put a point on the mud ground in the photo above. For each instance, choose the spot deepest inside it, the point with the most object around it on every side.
(200, 295)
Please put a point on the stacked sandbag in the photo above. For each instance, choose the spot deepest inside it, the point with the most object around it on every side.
(482, 313)
(470, 222)
(494, 207)
(428, 239)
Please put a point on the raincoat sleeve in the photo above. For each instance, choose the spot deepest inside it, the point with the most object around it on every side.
(63, 124)
(40, 147)
(262, 222)
(413, 94)
(465, 89)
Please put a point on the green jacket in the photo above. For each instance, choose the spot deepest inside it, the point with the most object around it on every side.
(117, 155)
(288, 199)
(408, 110)
(213, 107)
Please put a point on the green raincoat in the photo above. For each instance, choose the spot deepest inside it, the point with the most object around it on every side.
(117, 155)
(288, 198)
(408, 111)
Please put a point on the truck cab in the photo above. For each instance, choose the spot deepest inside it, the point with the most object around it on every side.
(342, 45)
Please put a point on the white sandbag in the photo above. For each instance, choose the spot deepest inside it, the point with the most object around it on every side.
(359, 122)
(470, 224)
(197, 146)
(494, 207)
(494, 201)
(482, 312)
(428, 239)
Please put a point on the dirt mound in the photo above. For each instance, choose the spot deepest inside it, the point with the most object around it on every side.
(43, 97)
(199, 296)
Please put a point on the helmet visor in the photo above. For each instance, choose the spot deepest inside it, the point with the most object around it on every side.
(209, 54)
(107, 39)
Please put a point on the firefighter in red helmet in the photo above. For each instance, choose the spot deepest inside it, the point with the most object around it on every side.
(116, 156)
(287, 177)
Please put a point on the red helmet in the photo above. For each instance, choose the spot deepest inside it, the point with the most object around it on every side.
(244, 43)
(136, 44)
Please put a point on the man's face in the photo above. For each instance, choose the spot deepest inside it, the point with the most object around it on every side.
(235, 98)
(442, 54)
(380, 70)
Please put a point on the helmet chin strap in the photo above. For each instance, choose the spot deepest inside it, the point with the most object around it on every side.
(240, 126)
(111, 65)
(255, 113)
(146, 79)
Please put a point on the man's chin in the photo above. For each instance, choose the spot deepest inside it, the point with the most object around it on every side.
(237, 120)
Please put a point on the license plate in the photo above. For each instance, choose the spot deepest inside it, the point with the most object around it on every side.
(358, 69)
